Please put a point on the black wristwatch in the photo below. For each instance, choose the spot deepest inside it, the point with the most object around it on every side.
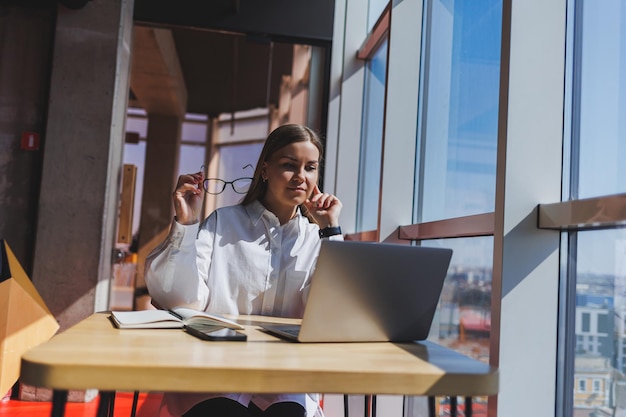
(330, 231)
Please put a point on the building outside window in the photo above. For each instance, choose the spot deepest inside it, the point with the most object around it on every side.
(596, 385)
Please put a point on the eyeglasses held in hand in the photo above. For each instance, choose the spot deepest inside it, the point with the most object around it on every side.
(217, 186)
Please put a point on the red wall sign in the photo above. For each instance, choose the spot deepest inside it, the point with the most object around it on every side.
(30, 141)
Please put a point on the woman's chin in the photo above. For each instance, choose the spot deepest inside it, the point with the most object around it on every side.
(297, 200)
(297, 195)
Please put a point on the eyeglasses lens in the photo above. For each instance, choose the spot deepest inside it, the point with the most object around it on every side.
(214, 186)
(241, 185)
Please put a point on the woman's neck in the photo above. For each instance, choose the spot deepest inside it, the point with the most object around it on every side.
(283, 213)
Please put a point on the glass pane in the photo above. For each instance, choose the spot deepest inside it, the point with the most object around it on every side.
(374, 11)
(137, 125)
(459, 101)
(191, 158)
(597, 62)
(236, 161)
(193, 132)
(602, 98)
(463, 319)
(372, 140)
(600, 324)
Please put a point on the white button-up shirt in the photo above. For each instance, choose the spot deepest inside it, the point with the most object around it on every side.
(240, 260)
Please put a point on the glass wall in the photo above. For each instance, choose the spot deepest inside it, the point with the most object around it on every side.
(374, 10)
(463, 320)
(456, 169)
(457, 125)
(372, 140)
(600, 323)
(600, 99)
(596, 144)
(480, 187)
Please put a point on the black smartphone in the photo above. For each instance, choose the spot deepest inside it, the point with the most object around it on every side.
(216, 333)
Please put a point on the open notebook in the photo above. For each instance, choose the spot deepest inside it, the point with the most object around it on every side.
(370, 292)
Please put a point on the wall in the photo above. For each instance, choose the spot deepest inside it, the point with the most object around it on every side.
(25, 48)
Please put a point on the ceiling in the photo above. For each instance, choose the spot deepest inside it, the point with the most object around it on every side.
(219, 56)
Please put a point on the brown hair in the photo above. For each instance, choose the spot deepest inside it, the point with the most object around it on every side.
(281, 136)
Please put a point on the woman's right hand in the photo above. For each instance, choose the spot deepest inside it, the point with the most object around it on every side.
(188, 198)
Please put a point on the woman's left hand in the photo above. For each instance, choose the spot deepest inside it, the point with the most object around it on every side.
(324, 208)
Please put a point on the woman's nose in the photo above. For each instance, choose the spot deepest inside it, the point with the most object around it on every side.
(299, 174)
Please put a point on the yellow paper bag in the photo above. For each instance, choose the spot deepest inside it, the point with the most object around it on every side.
(25, 321)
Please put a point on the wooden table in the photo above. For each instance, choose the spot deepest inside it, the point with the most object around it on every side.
(94, 354)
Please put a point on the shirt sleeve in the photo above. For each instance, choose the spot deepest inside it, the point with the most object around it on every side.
(172, 274)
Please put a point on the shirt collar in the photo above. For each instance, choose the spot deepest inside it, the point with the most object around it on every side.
(256, 210)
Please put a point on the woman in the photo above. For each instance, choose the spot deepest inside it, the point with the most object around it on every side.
(255, 257)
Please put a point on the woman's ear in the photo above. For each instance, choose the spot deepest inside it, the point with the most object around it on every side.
(264, 171)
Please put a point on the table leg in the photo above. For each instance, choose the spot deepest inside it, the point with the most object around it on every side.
(468, 406)
(373, 406)
(367, 409)
(59, 399)
(370, 406)
(133, 410)
(106, 404)
(453, 406)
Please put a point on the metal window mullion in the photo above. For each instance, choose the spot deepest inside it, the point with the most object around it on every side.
(363, 148)
(422, 114)
(576, 51)
(566, 346)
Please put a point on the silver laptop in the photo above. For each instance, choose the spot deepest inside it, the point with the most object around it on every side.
(370, 292)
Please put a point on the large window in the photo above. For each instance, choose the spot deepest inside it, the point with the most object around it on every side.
(459, 108)
(372, 140)
(520, 168)
(193, 139)
(456, 161)
(595, 255)
(374, 10)
(600, 71)
(237, 143)
(463, 319)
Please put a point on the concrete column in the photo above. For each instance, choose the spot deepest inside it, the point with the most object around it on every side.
(83, 158)
(25, 49)
(526, 259)
(160, 177)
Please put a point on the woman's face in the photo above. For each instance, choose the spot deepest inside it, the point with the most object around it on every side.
(291, 174)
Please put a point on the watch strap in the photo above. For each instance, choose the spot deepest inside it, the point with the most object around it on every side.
(330, 231)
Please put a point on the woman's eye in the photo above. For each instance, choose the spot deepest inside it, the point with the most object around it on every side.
(311, 168)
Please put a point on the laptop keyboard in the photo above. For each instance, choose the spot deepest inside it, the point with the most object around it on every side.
(292, 331)
(285, 330)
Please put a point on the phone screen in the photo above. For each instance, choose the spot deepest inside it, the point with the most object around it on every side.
(213, 333)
